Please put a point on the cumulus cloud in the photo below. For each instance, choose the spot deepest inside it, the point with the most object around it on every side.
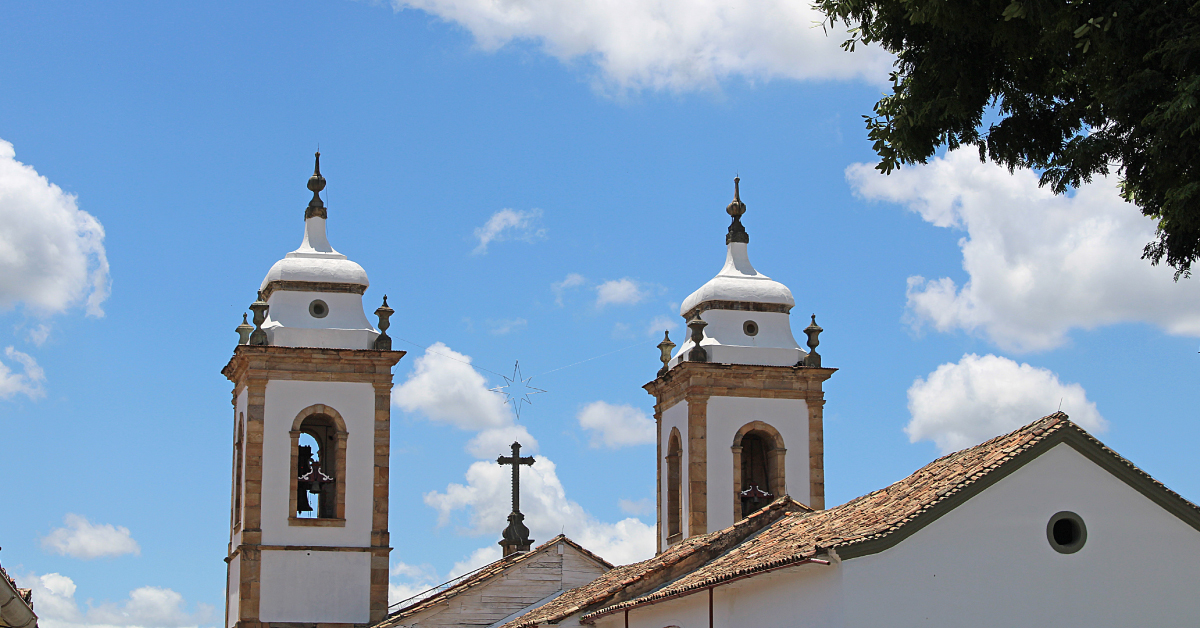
(444, 387)
(661, 324)
(38, 334)
(615, 426)
(509, 224)
(406, 581)
(81, 538)
(485, 500)
(572, 280)
(51, 252)
(636, 508)
(28, 382)
(668, 44)
(624, 291)
(507, 325)
(146, 607)
(964, 404)
(1038, 265)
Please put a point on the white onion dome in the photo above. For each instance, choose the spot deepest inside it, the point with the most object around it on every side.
(314, 292)
(746, 313)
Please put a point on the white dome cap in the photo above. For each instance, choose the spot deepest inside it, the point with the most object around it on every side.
(314, 292)
(745, 314)
(739, 282)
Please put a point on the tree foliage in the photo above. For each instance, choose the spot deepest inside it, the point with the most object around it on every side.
(1078, 87)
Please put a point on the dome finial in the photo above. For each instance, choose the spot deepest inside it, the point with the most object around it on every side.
(316, 183)
(737, 233)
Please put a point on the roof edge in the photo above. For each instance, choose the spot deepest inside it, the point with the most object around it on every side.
(1067, 432)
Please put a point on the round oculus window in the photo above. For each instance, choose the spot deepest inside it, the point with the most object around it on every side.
(750, 328)
(318, 309)
(1066, 532)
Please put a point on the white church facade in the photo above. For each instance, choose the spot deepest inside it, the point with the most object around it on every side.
(1042, 526)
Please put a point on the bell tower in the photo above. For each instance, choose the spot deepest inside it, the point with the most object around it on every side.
(739, 405)
(312, 384)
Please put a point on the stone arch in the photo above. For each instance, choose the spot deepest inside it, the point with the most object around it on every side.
(771, 440)
(674, 487)
(334, 448)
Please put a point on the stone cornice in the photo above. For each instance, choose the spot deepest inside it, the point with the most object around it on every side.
(707, 379)
(253, 362)
(741, 306)
(312, 286)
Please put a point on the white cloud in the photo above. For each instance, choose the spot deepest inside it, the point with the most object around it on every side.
(509, 224)
(1039, 265)
(616, 426)
(636, 507)
(620, 291)
(486, 498)
(964, 404)
(478, 558)
(498, 441)
(83, 539)
(407, 581)
(661, 324)
(668, 44)
(38, 334)
(146, 607)
(28, 382)
(51, 252)
(507, 325)
(572, 280)
(444, 387)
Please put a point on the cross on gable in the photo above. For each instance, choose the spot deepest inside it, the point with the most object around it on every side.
(516, 535)
(516, 460)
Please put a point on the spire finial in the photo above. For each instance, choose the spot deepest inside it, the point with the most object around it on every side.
(316, 183)
(737, 233)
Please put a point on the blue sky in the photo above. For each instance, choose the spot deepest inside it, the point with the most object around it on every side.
(958, 300)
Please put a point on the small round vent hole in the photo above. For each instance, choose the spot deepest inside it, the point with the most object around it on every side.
(318, 309)
(750, 328)
(1066, 532)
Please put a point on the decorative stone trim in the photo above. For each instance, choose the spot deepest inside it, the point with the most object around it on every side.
(697, 461)
(312, 286)
(739, 306)
(316, 523)
(339, 470)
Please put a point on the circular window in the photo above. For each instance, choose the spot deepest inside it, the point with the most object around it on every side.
(750, 328)
(318, 309)
(1066, 532)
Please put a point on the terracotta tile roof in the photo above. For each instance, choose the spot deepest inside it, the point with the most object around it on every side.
(880, 519)
(637, 578)
(481, 576)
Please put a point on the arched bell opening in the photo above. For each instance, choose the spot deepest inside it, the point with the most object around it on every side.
(318, 465)
(758, 468)
(674, 487)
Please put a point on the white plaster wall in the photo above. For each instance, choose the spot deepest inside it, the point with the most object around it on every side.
(727, 415)
(313, 587)
(235, 578)
(345, 327)
(805, 595)
(727, 342)
(673, 417)
(355, 402)
(989, 559)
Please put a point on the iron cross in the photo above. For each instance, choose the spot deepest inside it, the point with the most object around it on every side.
(516, 460)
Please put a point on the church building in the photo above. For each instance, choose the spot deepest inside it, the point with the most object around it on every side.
(1041, 526)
